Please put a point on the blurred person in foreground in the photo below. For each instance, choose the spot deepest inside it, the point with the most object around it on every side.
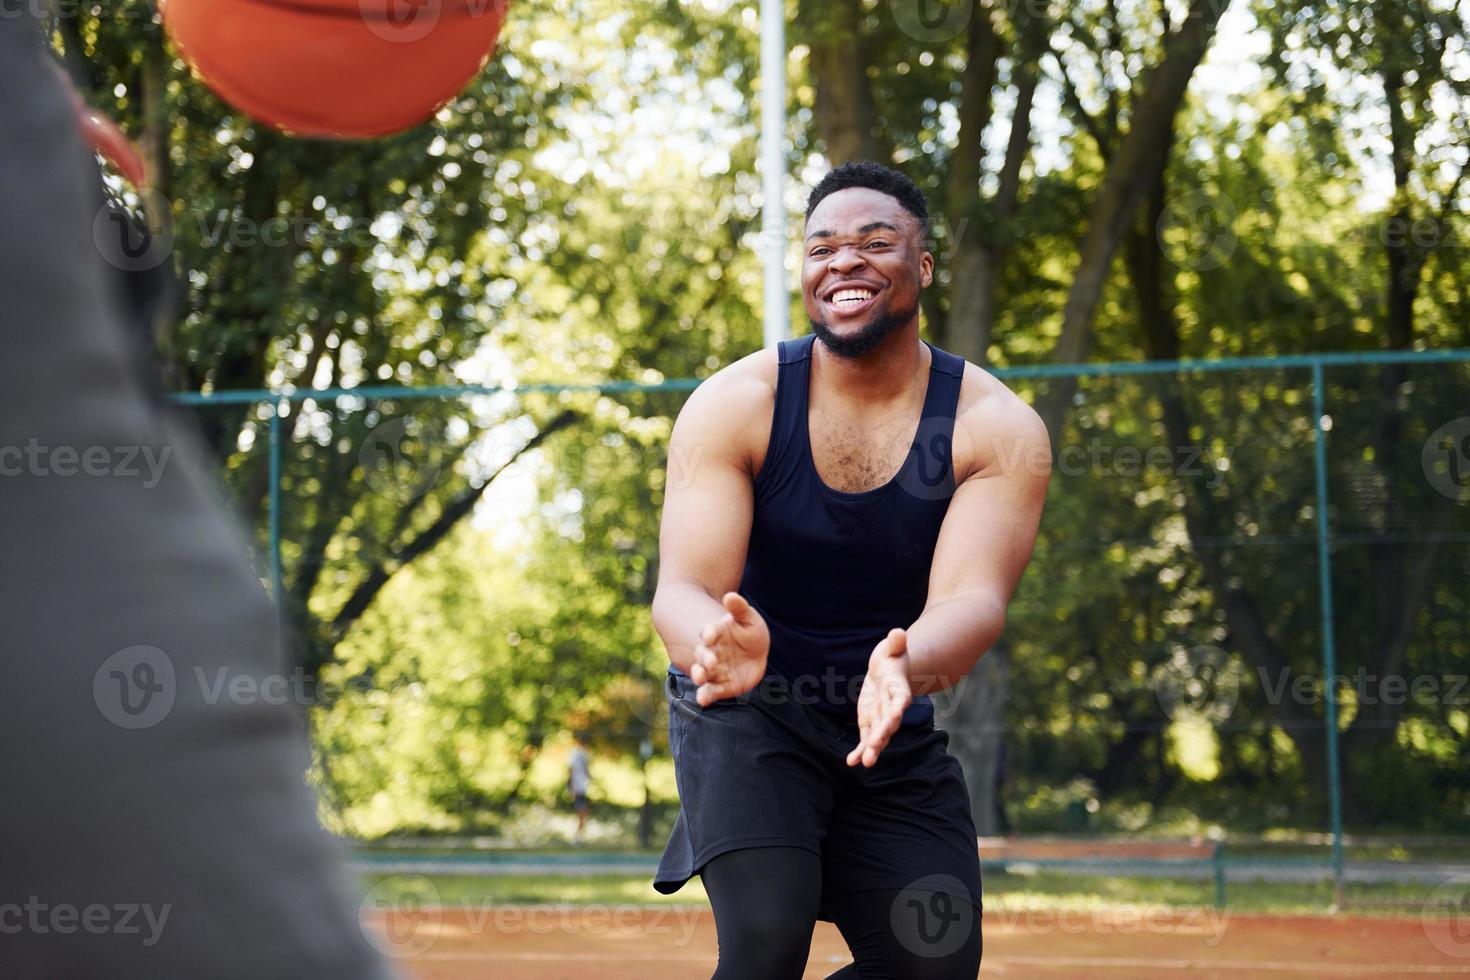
(154, 828)
(846, 519)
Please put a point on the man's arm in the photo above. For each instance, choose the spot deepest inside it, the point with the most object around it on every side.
(710, 633)
(984, 545)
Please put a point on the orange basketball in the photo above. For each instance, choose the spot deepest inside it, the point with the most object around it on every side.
(350, 69)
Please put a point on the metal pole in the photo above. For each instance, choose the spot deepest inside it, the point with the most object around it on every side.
(278, 593)
(1329, 648)
(773, 159)
(1219, 862)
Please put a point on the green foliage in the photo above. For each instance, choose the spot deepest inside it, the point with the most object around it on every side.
(469, 577)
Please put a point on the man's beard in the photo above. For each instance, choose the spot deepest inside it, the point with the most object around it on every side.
(867, 339)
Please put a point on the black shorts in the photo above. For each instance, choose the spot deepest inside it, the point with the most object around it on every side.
(767, 771)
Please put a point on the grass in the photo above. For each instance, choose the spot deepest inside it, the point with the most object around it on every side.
(1041, 890)
(1449, 851)
(1056, 888)
(459, 850)
(1355, 852)
(615, 889)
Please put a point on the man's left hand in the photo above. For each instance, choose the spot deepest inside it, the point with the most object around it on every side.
(887, 691)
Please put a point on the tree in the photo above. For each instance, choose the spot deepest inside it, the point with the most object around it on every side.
(866, 84)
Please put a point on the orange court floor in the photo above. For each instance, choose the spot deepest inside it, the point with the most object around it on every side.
(562, 942)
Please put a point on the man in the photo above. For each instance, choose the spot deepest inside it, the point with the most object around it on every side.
(845, 522)
(578, 781)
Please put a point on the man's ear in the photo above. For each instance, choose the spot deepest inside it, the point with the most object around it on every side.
(926, 269)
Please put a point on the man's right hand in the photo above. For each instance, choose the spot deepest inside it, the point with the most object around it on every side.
(731, 656)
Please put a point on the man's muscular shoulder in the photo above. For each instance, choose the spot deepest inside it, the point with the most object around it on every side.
(996, 431)
(730, 413)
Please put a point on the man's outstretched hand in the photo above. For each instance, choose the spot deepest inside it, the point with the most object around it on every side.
(887, 691)
(731, 656)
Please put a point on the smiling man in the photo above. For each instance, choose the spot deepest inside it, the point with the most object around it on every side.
(845, 521)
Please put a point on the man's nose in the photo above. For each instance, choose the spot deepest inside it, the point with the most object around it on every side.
(846, 260)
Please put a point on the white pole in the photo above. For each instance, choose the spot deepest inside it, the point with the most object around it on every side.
(773, 158)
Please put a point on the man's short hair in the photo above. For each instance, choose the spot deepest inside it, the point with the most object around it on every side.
(875, 176)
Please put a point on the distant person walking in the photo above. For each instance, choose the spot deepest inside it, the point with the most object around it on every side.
(577, 781)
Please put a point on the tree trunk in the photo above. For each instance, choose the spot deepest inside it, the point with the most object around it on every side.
(1123, 187)
(1248, 627)
(846, 118)
(971, 302)
(1401, 578)
(973, 713)
(981, 247)
(967, 328)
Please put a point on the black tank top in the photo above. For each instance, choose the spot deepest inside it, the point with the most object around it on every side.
(833, 572)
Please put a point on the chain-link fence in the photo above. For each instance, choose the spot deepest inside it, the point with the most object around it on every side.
(1244, 637)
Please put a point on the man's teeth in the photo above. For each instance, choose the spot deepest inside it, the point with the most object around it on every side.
(847, 297)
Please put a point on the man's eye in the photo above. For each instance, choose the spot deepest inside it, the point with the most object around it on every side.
(879, 243)
(820, 250)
